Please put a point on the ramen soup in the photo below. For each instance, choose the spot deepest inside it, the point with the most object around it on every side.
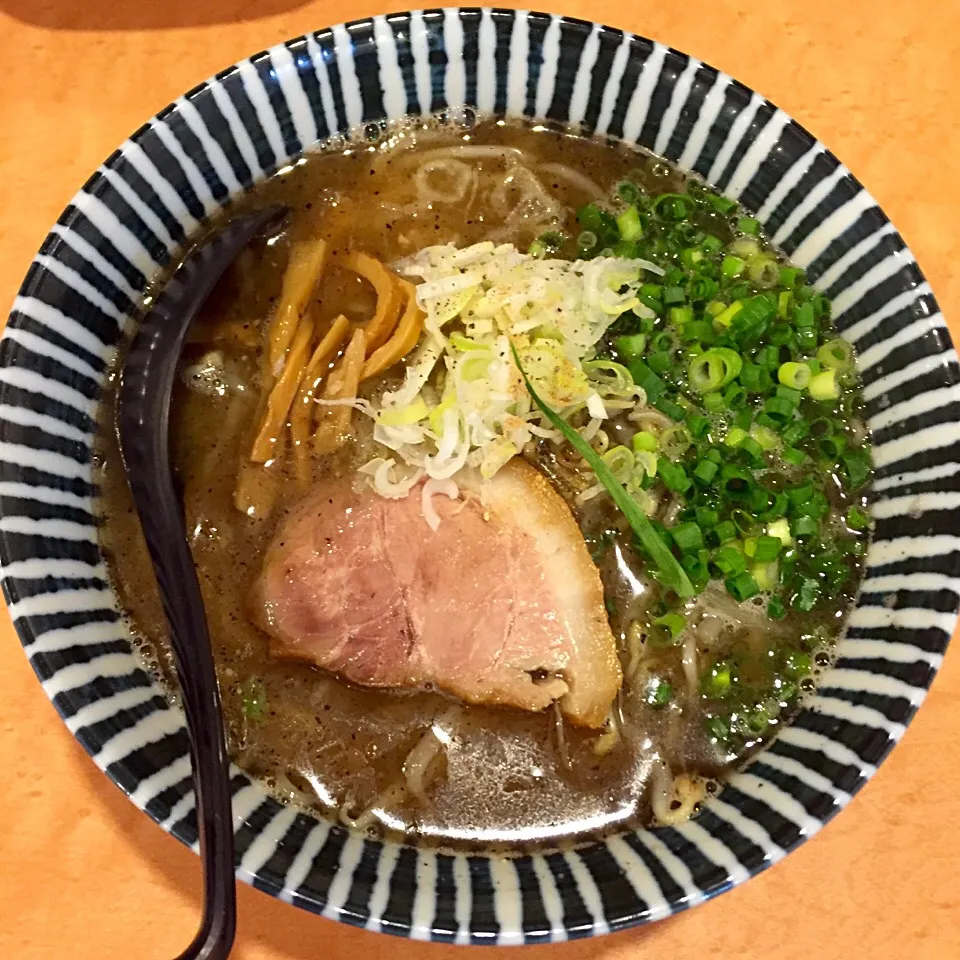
(525, 483)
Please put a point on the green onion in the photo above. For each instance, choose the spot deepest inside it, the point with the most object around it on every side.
(766, 548)
(643, 441)
(674, 295)
(673, 410)
(776, 609)
(795, 432)
(797, 664)
(671, 573)
(628, 191)
(725, 531)
(672, 206)
(742, 587)
(659, 693)
(707, 516)
(681, 316)
(737, 482)
(781, 530)
(806, 596)
(857, 466)
(789, 276)
(824, 386)
(253, 695)
(714, 403)
(672, 623)
(795, 375)
(619, 459)
(688, 537)
(647, 380)
(629, 224)
(836, 355)
(857, 519)
(698, 426)
(735, 437)
(716, 681)
(732, 266)
(705, 471)
(745, 247)
(764, 436)
(748, 225)
(752, 451)
(784, 300)
(631, 347)
(674, 477)
(721, 204)
(764, 272)
(805, 527)
(729, 560)
(725, 318)
(713, 369)
(717, 729)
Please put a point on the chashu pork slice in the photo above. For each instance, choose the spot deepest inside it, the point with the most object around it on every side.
(500, 605)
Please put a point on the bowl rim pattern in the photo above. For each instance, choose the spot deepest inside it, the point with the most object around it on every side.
(133, 216)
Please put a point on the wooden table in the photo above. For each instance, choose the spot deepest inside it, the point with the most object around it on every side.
(84, 874)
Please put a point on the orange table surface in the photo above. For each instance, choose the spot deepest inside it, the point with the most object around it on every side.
(84, 874)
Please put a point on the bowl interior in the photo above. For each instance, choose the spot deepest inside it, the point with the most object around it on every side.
(129, 222)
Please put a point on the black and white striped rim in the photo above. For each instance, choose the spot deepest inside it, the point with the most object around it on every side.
(133, 216)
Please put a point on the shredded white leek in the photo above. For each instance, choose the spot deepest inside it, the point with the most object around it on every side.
(478, 301)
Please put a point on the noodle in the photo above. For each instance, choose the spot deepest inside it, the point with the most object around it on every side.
(637, 648)
(689, 661)
(610, 737)
(580, 181)
(475, 151)
(415, 768)
(674, 799)
(456, 170)
(307, 261)
(535, 210)
(427, 749)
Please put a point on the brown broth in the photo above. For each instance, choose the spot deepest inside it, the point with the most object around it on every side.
(321, 743)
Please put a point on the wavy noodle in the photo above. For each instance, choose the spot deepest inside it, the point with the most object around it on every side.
(674, 799)
(416, 768)
(461, 175)
(534, 209)
(476, 151)
(689, 661)
(572, 178)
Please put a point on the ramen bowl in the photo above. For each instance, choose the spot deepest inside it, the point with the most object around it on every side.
(132, 219)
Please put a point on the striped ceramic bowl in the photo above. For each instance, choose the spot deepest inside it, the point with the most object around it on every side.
(129, 222)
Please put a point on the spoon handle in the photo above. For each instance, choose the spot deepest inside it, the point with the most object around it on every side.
(144, 409)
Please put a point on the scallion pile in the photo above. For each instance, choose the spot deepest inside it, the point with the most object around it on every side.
(740, 353)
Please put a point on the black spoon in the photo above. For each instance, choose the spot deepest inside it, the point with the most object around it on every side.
(144, 408)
